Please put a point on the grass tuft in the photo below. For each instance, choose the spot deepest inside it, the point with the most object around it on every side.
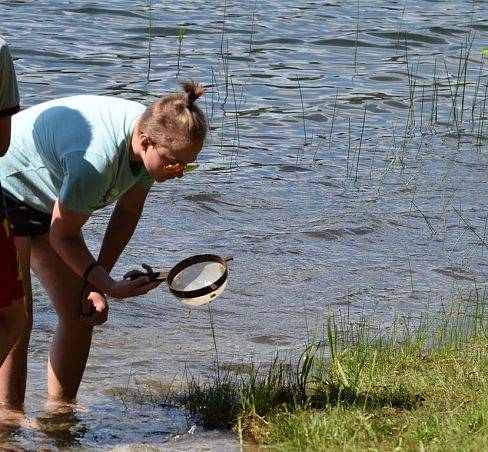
(417, 385)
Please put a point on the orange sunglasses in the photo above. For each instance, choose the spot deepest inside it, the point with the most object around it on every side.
(174, 167)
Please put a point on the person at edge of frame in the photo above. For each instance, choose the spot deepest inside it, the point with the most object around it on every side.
(69, 157)
(13, 316)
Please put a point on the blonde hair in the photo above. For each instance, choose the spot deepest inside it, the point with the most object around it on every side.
(175, 120)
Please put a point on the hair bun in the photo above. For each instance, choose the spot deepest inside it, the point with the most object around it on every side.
(193, 90)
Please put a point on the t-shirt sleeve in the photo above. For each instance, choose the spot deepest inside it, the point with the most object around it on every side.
(87, 179)
(9, 93)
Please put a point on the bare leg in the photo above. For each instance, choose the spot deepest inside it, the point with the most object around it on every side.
(72, 340)
(13, 372)
(12, 324)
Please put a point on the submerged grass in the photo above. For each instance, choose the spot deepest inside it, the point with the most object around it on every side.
(181, 37)
(414, 387)
(149, 40)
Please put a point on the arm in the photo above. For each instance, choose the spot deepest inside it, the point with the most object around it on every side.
(121, 226)
(65, 237)
(4, 134)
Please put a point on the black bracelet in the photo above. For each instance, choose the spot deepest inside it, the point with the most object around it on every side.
(89, 269)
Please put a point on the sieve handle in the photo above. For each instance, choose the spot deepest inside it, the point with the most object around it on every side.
(157, 276)
(228, 258)
(153, 276)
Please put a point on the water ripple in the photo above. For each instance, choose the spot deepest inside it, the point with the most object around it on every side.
(340, 149)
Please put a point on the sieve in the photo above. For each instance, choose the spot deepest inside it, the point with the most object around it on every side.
(195, 281)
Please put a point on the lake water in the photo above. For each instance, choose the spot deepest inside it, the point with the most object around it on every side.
(346, 167)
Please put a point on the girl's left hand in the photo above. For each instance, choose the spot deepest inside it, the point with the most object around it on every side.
(94, 307)
(127, 288)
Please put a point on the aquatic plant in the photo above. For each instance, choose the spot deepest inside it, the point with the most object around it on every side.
(149, 39)
(181, 36)
(254, 10)
(303, 113)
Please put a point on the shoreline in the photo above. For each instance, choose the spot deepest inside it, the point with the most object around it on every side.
(411, 387)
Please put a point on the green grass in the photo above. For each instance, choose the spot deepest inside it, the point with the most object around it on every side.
(419, 386)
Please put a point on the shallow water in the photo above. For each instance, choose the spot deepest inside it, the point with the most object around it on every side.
(312, 178)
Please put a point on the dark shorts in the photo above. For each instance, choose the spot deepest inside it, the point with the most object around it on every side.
(25, 220)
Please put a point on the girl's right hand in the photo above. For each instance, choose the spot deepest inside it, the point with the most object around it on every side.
(127, 288)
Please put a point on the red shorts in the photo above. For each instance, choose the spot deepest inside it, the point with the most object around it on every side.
(10, 269)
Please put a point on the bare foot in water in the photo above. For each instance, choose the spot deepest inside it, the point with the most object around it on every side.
(11, 420)
(60, 422)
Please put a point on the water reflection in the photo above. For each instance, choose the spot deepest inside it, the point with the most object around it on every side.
(61, 423)
(12, 421)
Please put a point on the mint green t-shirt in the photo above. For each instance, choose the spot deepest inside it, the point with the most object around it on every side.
(75, 148)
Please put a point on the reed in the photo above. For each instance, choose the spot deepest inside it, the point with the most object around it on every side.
(481, 122)
(432, 229)
(422, 109)
(303, 112)
(373, 159)
(485, 231)
(215, 87)
(254, 10)
(348, 147)
(225, 70)
(181, 37)
(214, 340)
(412, 83)
(149, 40)
(360, 143)
(481, 240)
(356, 42)
(410, 272)
(435, 96)
(224, 21)
(476, 89)
(334, 115)
(464, 72)
(390, 162)
(237, 137)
